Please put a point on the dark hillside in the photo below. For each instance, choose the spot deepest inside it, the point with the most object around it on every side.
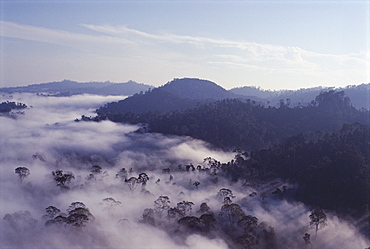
(197, 89)
(332, 171)
(359, 94)
(156, 100)
(177, 95)
(234, 123)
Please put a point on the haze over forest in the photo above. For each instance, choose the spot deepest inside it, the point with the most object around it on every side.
(184, 124)
(188, 164)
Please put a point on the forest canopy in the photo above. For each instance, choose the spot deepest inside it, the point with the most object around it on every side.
(231, 123)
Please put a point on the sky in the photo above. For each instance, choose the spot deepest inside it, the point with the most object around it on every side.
(269, 44)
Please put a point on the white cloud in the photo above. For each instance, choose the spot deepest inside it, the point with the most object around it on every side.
(77, 146)
(54, 36)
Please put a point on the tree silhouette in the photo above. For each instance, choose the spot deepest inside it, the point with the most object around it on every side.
(51, 213)
(318, 219)
(21, 221)
(22, 172)
(184, 208)
(248, 223)
(132, 183)
(191, 224)
(143, 178)
(233, 212)
(148, 216)
(204, 208)
(225, 195)
(307, 238)
(78, 214)
(161, 204)
(122, 174)
(96, 169)
(62, 179)
(110, 203)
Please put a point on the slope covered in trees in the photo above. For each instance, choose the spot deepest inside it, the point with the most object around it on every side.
(358, 94)
(231, 123)
(331, 170)
(177, 95)
(6, 107)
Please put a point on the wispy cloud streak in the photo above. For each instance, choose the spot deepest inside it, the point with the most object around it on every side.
(212, 58)
(53, 36)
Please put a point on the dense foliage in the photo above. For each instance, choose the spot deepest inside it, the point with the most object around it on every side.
(332, 170)
(323, 147)
(231, 123)
(179, 94)
(6, 107)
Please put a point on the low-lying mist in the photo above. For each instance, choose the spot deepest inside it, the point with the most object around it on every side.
(123, 213)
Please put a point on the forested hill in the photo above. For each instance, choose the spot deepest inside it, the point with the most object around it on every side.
(7, 107)
(191, 88)
(179, 94)
(232, 123)
(67, 87)
(359, 94)
(331, 171)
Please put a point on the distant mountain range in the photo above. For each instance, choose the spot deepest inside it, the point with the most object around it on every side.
(180, 94)
(67, 88)
(359, 95)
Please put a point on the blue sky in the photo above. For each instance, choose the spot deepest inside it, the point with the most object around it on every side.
(271, 44)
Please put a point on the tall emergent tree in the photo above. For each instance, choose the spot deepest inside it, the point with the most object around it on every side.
(318, 219)
(22, 172)
(62, 179)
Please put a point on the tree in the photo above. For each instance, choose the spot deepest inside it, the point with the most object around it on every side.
(247, 240)
(248, 223)
(173, 213)
(266, 236)
(204, 208)
(96, 169)
(233, 212)
(148, 216)
(132, 183)
(110, 203)
(21, 221)
(227, 200)
(208, 221)
(51, 213)
(78, 214)
(190, 223)
(213, 165)
(161, 204)
(62, 179)
(184, 208)
(122, 174)
(143, 178)
(196, 184)
(307, 238)
(60, 221)
(318, 219)
(22, 172)
(225, 193)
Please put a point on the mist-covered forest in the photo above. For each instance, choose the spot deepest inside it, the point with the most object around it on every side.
(226, 174)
